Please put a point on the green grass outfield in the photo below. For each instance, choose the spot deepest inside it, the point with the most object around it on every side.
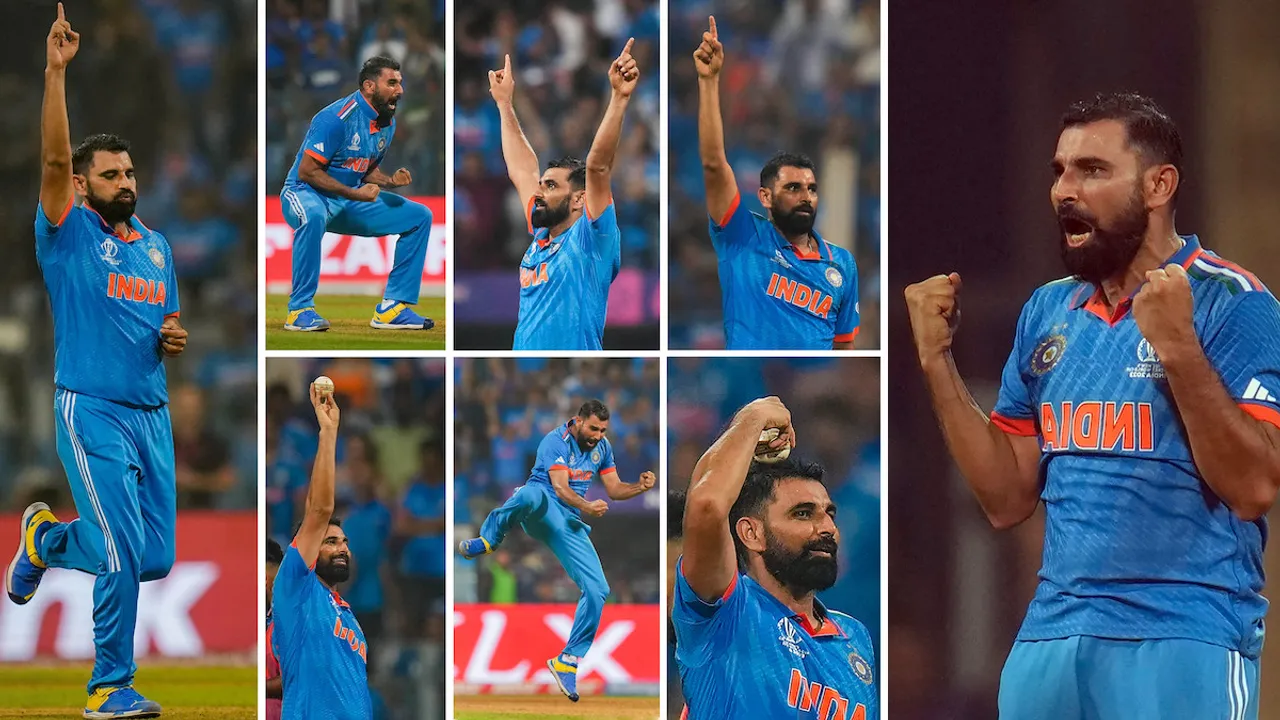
(554, 707)
(184, 692)
(349, 316)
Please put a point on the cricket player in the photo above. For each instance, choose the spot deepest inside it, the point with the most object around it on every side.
(752, 639)
(114, 298)
(577, 249)
(550, 507)
(275, 684)
(782, 286)
(321, 648)
(335, 185)
(1139, 403)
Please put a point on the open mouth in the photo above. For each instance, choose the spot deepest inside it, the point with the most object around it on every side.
(340, 561)
(1076, 230)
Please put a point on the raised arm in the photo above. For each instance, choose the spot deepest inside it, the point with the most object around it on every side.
(618, 490)
(522, 162)
(623, 77)
(710, 564)
(56, 191)
(320, 502)
(721, 186)
(1001, 468)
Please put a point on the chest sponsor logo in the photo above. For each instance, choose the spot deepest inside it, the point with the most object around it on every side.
(1047, 354)
(351, 638)
(141, 290)
(110, 251)
(532, 277)
(1096, 425)
(1148, 363)
(826, 703)
(790, 638)
(794, 292)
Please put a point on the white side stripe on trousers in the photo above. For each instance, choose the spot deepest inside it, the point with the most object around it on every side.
(82, 462)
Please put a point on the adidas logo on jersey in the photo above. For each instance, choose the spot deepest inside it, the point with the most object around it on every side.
(319, 146)
(1256, 391)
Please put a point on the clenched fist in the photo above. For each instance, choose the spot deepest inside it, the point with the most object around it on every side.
(647, 480)
(934, 308)
(596, 508)
(1162, 309)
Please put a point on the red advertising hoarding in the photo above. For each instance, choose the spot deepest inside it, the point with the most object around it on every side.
(208, 604)
(349, 263)
(504, 648)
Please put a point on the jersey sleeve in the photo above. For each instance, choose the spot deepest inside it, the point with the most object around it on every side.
(291, 581)
(1245, 350)
(1013, 412)
(606, 238)
(607, 463)
(847, 318)
(172, 307)
(47, 232)
(730, 232)
(704, 629)
(324, 137)
(552, 453)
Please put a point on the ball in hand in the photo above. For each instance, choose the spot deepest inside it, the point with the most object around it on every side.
(769, 455)
(324, 385)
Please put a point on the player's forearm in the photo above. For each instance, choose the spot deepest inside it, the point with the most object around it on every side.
(604, 148)
(568, 496)
(1008, 494)
(722, 469)
(379, 178)
(320, 500)
(516, 151)
(322, 181)
(55, 131)
(710, 126)
(1237, 455)
(624, 491)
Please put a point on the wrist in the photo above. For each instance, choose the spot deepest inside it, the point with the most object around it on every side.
(56, 71)
(1178, 351)
(934, 360)
(709, 79)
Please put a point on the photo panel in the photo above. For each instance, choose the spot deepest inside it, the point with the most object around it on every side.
(557, 577)
(357, 624)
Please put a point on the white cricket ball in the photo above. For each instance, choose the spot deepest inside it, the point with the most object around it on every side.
(766, 454)
(323, 385)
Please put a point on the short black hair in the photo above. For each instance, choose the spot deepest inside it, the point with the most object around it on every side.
(83, 155)
(275, 554)
(757, 492)
(333, 520)
(1150, 129)
(577, 172)
(373, 67)
(593, 407)
(769, 172)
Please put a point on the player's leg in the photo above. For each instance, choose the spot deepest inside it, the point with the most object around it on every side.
(392, 214)
(569, 538)
(101, 462)
(308, 213)
(1140, 680)
(1039, 681)
(525, 502)
(157, 494)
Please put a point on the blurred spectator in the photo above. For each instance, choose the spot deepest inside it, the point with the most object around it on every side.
(177, 79)
(313, 54)
(503, 410)
(801, 76)
(394, 520)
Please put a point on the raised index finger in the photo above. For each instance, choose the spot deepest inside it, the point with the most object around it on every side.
(62, 15)
(627, 50)
(507, 66)
(712, 20)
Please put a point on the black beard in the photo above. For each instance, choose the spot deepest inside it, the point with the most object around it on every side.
(794, 222)
(1108, 251)
(545, 216)
(113, 211)
(801, 571)
(584, 445)
(384, 109)
(333, 574)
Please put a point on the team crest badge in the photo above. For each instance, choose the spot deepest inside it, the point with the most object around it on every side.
(861, 667)
(834, 277)
(595, 456)
(110, 250)
(157, 257)
(1047, 354)
(382, 143)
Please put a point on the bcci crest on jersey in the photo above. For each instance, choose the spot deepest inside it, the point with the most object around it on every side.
(860, 667)
(1148, 363)
(109, 251)
(157, 257)
(834, 277)
(595, 456)
(1047, 354)
(790, 638)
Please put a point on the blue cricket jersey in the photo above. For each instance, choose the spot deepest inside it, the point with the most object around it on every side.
(774, 298)
(109, 296)
(559, 451)
(748, 655)
(1136, 545)
(564, 283)
(346, 139)
(320, 646)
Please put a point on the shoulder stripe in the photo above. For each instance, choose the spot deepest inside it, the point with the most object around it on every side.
(1215, 264)
(1223, 272)
(346, 109)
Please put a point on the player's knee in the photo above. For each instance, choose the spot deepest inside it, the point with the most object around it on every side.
(157, 563)
(420, 215)
(597, 591)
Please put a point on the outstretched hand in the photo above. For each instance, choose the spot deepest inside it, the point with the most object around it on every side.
(502, 83)
(63, 42)
(709, 57)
